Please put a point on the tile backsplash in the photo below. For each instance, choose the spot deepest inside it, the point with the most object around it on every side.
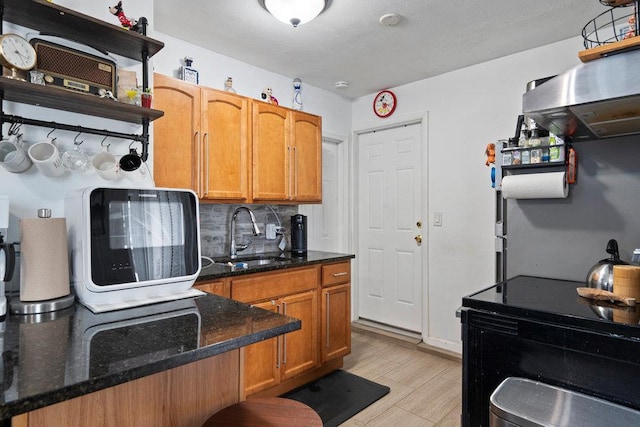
(215, 222)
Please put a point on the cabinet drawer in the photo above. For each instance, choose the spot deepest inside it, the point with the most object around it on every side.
(273, 285)
(334, 274)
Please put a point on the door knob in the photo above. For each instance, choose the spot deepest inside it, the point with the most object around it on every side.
(418, 239)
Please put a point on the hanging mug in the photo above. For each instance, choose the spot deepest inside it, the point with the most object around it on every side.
(13, 156)
(106, 165)
(132, 166)
(46, 157)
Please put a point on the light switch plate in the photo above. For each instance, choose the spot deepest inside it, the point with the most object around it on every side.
(437, 219)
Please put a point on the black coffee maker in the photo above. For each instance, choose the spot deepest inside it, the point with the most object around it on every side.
(299, 234)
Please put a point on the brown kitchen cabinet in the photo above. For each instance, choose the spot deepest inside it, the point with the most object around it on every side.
(335, 333)
(230, 148)
(292, 292)
(216, 287)
(287, 155)
(202, 142)
(306, 179)
(270, 143)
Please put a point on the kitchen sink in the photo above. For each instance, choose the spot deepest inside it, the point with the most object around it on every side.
(254, 261)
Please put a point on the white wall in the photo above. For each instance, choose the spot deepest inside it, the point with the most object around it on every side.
(466, 109)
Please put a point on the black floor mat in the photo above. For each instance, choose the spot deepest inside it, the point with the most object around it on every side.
(338, 396)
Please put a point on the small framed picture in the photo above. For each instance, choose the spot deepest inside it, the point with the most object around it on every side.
(189, 74)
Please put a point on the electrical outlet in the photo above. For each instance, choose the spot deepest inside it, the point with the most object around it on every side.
(271, 232)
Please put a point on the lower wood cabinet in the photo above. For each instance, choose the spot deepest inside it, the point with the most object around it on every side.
(268, 363)
(216, 287)
(318, 295)
(336, 311)
(292, 292)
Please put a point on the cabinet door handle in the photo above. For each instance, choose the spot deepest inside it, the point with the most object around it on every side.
(206, 142)
(284, 338)
(196, 138)
(295, 174)
(279, 351)
(328, 314)
(289, 178)
(342, 273)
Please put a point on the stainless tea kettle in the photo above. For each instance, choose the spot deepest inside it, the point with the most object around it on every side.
(601, 275)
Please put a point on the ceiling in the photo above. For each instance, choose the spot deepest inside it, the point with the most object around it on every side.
(347, 43)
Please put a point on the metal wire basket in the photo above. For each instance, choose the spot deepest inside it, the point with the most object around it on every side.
(618, 23)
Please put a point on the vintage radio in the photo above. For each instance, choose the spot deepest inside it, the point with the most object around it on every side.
(74, 70)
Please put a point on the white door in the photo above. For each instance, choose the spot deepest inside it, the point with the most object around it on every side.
(389, 212)
(326, 222)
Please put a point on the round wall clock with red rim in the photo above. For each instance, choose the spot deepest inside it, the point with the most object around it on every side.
(384, 104)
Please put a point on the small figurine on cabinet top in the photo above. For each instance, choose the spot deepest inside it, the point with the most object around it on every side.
(297, 95)
(130, 24)
(228, 85)
(187, 73)
(267, 96)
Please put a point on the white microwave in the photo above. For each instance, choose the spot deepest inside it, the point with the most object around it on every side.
(132, 246)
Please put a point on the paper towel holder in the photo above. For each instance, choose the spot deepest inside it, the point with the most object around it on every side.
(38, 307)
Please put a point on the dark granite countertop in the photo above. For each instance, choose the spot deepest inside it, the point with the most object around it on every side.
(556, 301)
(276, 261)
(55, 357)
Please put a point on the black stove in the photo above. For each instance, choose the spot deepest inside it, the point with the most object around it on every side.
(539, 328)
(555, 300)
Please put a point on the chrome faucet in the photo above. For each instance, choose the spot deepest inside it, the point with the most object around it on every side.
(235, 248)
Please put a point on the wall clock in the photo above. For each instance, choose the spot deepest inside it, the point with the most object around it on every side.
(384, 104)
(16, 53)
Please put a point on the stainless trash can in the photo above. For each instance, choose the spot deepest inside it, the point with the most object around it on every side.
(519, 402)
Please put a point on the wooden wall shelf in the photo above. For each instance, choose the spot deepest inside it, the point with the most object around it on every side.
(54, 19)
(75, 102)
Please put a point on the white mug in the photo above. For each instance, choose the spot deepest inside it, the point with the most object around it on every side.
(106, 165)
(46, 157)
(13, 156)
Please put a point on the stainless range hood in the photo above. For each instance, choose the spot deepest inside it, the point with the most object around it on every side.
(596, 99)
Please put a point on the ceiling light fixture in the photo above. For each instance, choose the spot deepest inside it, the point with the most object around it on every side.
(295, 12)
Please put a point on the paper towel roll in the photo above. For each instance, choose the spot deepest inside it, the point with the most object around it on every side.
(550, 185)
(44, 260)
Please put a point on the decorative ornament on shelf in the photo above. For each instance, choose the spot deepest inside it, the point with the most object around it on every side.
(267, 95)
(297, 94)
(129, 24)
(228, 85)
(187, 73)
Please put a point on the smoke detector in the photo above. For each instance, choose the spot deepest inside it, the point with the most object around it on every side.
(342, 85)
(390, 19)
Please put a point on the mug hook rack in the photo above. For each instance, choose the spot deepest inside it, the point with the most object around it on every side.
(143, 139)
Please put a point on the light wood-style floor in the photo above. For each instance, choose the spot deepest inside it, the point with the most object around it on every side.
(425, 387)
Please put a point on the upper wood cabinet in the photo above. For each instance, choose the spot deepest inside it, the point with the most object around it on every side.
(176, 143)
(202, 142)
(225, 152)
(271, 152)
(287, 155)
(230, 148)
(306, 179)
